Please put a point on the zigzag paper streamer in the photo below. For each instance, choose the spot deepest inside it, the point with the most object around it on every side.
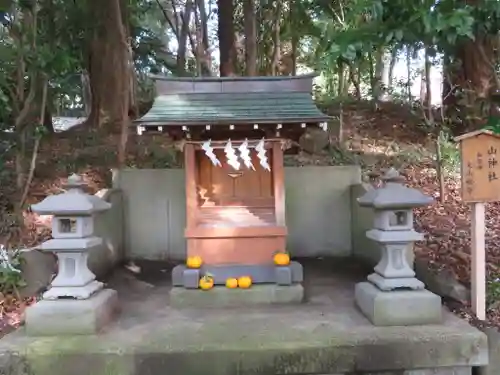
(232, 158)
(209, 151)
(245, 155)
(261, 154)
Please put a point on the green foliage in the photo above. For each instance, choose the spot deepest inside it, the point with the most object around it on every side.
(450, 154)
(11, 279)
(342, 156)
(493, 292)
(493, 124)
(347, 35)
(157, 156)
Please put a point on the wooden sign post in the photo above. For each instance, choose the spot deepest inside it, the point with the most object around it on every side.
(480, 155)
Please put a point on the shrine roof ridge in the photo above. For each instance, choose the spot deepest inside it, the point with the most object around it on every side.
(476, 133)
(231, 78)
(242, 85)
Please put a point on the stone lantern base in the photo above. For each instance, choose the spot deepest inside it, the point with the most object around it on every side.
(72, 316)
(398, 307)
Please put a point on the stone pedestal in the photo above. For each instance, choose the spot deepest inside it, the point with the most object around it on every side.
(74, 279)
(72, 317)
(398, 307)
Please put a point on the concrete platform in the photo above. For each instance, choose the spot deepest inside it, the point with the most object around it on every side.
(72, 317)
(398, 307)
(325, 335)
(220, 296)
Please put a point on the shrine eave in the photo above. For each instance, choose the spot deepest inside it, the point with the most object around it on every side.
(201, 109)
(223, 122)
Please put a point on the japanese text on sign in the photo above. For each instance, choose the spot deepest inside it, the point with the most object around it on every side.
(492, 164)
(481, 169)
(469, 178)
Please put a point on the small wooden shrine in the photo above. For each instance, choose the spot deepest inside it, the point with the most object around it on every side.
(233, 132)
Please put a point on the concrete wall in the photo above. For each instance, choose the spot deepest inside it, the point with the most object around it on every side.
(109, 226)
(318, 203)
(318, 213)
(154, 202)
(361, 221)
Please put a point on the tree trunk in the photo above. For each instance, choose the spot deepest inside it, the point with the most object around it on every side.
(355, 81)
(206, 58)
(295, 47)
(124, 61)
(86, 93)
(371, 71)
(47, 121)
(225, 32)
(469, 77)
(108, 75)
(340, 78)
(478, 61)
(250, 37)
(427, 97)
(347, 82)
(390, 73)
(423, 85)
(183, 37)
(276, 40)
(198, 48)
(478, 65)
(408, 74)
(450, 94)
(386, 79)
(378, 85)
(447, 82)
(265, 44)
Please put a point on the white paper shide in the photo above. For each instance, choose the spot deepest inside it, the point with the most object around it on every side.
(209, 152)
(245, 155)
(232, 158)
(261, 154)
(235, 156)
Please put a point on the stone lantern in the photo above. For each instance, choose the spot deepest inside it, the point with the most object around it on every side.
(392, 295)
(75, 290)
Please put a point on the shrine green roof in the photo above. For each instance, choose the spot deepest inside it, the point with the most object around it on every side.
(233, 100)
(233, 108)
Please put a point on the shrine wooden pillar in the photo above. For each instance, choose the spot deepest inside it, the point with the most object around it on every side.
(278, 171)
(191, 197)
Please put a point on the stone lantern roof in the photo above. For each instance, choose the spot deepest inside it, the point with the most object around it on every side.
(394, 195)
(75, 201)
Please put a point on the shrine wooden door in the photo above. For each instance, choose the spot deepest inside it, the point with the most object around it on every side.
(225, 186)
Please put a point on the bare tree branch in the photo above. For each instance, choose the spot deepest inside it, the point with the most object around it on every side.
(176, 16)
(34, 156)
(174, 27)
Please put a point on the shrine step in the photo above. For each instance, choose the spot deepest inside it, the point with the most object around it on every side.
(220, 296)
(236, 216)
